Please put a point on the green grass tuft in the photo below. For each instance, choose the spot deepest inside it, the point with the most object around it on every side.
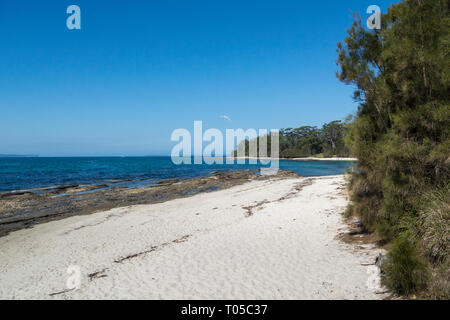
(405, 272)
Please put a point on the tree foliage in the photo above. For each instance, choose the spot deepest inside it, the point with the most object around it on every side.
(401, 131)
(309, 141)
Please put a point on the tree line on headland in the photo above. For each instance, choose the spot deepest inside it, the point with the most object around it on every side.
(308, 141)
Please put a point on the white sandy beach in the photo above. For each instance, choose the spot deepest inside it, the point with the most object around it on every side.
(273, 239)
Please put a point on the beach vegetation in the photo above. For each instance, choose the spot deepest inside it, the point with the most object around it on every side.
(406, 270)
(400, 135)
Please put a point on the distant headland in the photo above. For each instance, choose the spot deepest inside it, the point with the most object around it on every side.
(18, 155)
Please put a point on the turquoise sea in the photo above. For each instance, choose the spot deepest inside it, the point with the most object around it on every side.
(39, 172)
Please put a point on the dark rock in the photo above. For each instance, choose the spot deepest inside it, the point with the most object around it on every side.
(380, 260)
(167, 181)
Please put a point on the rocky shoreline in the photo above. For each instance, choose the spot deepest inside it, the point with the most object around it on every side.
(26, 209)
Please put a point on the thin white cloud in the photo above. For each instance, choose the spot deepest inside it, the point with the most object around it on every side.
(225, 117)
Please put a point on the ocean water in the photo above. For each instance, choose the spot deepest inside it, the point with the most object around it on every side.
(35, 173)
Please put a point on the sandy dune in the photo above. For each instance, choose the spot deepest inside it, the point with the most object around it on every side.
(271, 239)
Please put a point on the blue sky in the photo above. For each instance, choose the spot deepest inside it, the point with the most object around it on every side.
(137, 70)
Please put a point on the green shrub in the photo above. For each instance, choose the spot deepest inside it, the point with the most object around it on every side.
(404, 270)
